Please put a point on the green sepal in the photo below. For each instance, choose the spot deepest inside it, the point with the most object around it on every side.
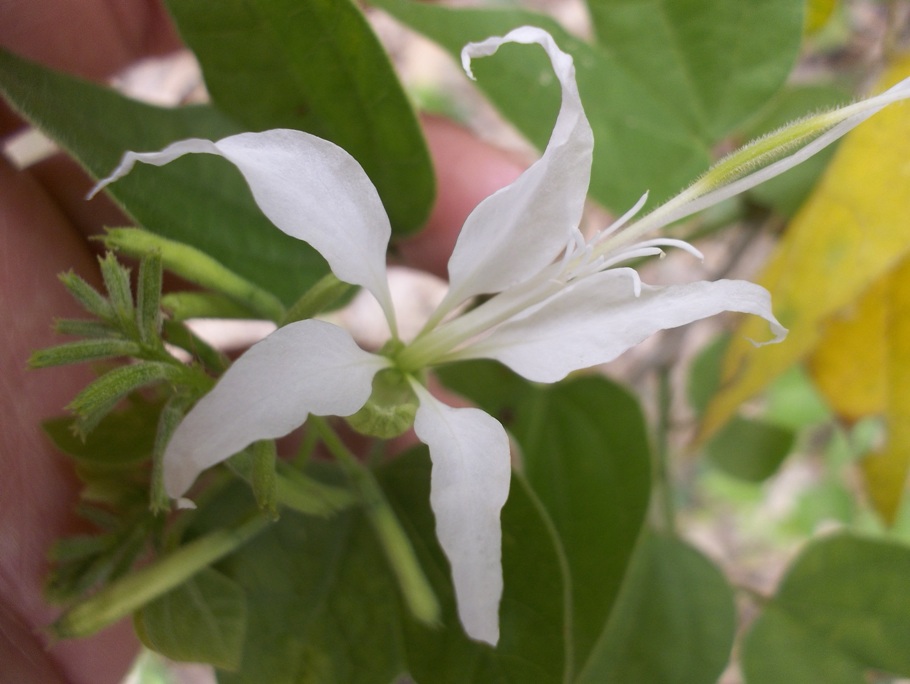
(391, 408)
(304, 494)
(117, 282)
(100, 397)
(85, 328)
(148, 298)
(90, 299)
(171, 415)
(82, 351)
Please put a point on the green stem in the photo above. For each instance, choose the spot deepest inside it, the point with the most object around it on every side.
(662, 485)
(317, 299)
(122, 597)
(418, 593)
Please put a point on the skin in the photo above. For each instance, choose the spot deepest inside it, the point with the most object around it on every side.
(43, 227)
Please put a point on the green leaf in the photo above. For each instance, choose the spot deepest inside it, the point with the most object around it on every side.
(842, 608)
(199, 200)
(673, 623)
(585, 452)
(201, 620)
(751, 450)
(316, 66)
(489, 384)
(148, 299)
(641, 144)
(712, 63)
(325, 608)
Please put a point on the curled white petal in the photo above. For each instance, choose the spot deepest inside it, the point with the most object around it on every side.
(469, 486)
(305, 367)
(518, 230)
(596, 319)
(310, 189)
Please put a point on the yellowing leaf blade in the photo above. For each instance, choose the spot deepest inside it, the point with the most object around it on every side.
(853, 229)
(886, 472)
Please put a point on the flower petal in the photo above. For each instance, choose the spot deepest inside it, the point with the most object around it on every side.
(310, 189)
(469, 486)
(599, 318)
(518, 230)
(305, 367)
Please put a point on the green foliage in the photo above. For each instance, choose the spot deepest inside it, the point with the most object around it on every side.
(327, 74)
(713, 63)
(203, 619)
(659, 86)
(349, 584)
(593, 477)
(198, 200)
(673, 622)
(841, 610)
(323, 605)
(655, 153)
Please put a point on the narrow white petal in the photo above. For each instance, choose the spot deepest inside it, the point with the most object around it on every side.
(305, 367)
(469, 486)
(310, 189)
(521, 228)
(599, 318)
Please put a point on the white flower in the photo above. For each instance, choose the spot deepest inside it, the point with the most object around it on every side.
(558, 304)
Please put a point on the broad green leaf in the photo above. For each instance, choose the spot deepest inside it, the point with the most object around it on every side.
(585, 452)
(713, 63)
(489, 384)
(842, 608)
(202, 620)
(878, 332)
(852, 231)
(199, 199)
(751, 450)
(640, 144)
(673, 622)
(323, 605)
(315, 66)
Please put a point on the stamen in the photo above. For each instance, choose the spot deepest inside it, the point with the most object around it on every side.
(621, 221)
(672, 242)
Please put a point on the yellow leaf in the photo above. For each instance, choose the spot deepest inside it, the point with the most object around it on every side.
(886, 471)
(853, 229)
(848, 366)
(818, 12)
(862, 366)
